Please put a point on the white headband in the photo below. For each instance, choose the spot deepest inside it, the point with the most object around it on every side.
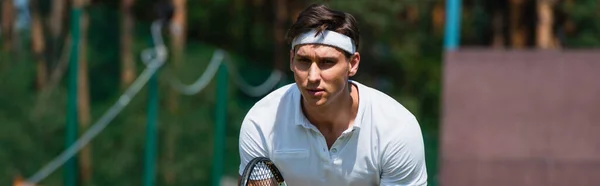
(326, 37)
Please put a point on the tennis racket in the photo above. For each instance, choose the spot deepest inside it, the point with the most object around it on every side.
(261, 171)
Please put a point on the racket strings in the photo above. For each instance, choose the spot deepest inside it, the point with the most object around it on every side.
(261, 171)
(264, 175)
(275, 172)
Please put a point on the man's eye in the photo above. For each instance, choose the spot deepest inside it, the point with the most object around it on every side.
(328, 62)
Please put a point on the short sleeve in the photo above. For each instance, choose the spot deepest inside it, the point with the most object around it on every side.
(251, 143)
(403, 160)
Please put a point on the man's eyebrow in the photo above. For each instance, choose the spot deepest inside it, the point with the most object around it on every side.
(301, 55)
(329, 58)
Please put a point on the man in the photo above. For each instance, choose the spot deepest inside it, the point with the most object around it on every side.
(325, 129)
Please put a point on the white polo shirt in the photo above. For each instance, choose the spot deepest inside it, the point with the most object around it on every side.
(383, 147)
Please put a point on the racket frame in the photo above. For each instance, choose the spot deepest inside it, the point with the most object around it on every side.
(250, 166)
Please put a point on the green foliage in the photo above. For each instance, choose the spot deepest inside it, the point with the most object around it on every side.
(399, 59)
(401, 54)
(26, 141)
(586, 20)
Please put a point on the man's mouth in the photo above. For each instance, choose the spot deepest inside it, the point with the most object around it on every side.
(316, 92)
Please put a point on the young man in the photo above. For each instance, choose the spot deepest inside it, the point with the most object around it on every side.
(325, 129)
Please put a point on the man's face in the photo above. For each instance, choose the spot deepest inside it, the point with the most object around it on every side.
(321, 72)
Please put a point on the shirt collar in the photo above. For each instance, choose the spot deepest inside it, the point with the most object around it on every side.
(299, 117)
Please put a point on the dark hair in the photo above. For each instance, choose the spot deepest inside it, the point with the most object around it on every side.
(322, 18)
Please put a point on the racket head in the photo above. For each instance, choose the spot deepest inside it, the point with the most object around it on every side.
(261, 171)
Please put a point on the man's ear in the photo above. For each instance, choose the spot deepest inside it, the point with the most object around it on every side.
(354, 61)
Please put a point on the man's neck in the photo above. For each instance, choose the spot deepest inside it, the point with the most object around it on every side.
(338, 115)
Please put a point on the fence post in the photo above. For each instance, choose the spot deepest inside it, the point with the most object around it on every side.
(151, 131)
(220, 124)
(452, 32)
(70, 174)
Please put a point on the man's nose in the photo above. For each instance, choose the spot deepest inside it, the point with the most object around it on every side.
(314, 73)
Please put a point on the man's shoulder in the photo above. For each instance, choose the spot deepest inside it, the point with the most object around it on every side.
(272, 102)
(274, 98)
(383, 104)
(388, 116)
(393, 123)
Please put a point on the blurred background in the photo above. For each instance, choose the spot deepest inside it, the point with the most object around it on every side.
(64, 64)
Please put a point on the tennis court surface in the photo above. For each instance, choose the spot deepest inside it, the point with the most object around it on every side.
(526, 118)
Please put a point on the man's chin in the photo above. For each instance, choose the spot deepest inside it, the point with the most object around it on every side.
(314, 102)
